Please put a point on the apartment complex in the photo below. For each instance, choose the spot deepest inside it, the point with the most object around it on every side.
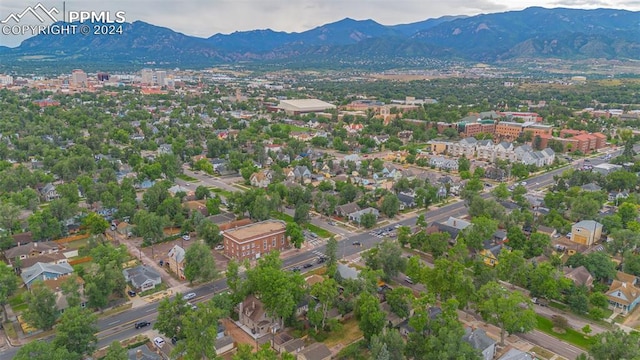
(253, 240)
(574, 140)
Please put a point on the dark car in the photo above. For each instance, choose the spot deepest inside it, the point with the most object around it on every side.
(357, 243)
(321, 259)
(174, 340)
(141, 324)
(306, 266)
(295, 269)
(131, 293)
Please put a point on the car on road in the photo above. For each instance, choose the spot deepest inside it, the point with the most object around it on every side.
(398, 226)
(131, 293)
(569, 235)
(321, 259)
(189, 296)
(332, 223)
(307, 265)
(534, 300)
(523, 183)
(158, 341)
(408, 280)
(219, 247)
(295, 269)
(141, 324)
(192, 306)
(357, 243)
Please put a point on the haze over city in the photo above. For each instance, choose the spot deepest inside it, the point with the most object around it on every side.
(205, 18)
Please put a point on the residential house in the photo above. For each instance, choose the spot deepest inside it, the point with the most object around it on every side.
(504, 151)
(591, 187)
(586, 232)
(48, 192)
(315, 351)
(259, 179)
(623, 294)
(176, 261)
(285, 343)
(405, 329)
(165, 149)
(549, 231)
(515, 354)
(142, 277)
(43, 272)
(254, 316)
(219, 165)
(61, 299)
(443, 163)
(491, 251)
(31, 249)
(479, 340)
(356, 216)
(347, 209)
(55, 258)
(177, 188)
(407, 200)
(143, 352)
(485, 149)
(580, 276)
(347, 272)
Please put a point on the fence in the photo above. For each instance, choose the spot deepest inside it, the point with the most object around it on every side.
(71, 238)
(81, 260)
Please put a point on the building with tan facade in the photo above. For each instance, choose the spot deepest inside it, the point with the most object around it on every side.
(253, 240)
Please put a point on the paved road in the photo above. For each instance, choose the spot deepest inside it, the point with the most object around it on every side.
(551, 343)
(121, 326)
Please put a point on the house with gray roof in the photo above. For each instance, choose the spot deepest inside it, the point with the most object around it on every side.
(479, 340)
(466, 147)
(142, 277)
(347, 209)
(441, 162)
(42, 272)
(356, 216)
(515, 354)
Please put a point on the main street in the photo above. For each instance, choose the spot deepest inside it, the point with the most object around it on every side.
(121, 326)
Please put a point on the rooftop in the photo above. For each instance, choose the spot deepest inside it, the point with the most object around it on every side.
(247, 232)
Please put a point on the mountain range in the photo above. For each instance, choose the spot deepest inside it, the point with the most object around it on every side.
(529, 33)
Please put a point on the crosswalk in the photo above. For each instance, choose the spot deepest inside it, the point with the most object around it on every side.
(313, 241)
(316, 252)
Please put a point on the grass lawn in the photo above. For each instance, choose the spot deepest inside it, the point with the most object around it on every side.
(356, 351)
(571, 336)
(289, 219)
(116, 310)
(542, 352)
(10, 330)
(17, 301)
(186, 177)
(219, 191)
(75, 245)
(349, 333)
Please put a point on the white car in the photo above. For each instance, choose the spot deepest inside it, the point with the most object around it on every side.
(186, 237)
(219, 247)
(189, 296)
(159, 342)
(524, 183)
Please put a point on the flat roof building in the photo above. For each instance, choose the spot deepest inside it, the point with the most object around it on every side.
(303, 106)
(253, 240)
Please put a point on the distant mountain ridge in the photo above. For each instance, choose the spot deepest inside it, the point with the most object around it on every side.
(532, 32)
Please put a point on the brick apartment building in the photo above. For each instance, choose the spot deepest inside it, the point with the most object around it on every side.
(512, 130)
(577, 140)
(253, 240)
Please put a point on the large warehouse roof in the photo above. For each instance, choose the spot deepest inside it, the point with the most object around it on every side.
(305, 105)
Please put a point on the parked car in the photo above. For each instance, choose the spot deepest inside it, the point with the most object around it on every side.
(131, 293)
(408, 280)
(174, 340)
(186, 237)
(357, 243)
(307, 265)
(295, 269)
(219, 247)
(158, 341)
(332, 223)
(141, 324)
(189, 296)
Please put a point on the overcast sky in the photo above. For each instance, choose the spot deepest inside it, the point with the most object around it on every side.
(207, 17)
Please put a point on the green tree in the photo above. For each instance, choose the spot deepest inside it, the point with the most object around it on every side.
(613, 345)
(512, 267)
(115, 351)
(326, 292)
(501, 192)
(8, 286)
(481, 229)
(44, 350)
(199, 329)
(171, 313)
(9, 216)
(202, 192)
(95, 223)
(331, 252)
(404, 235)
(295, 234)
(301, 213)
(447, 279)
(464, 164)
(510, 311)
(71, 290)
(210, 232)
(536, 245)
(390, 341)
(368, 220)
(398, 300)
(624, 240)
(199, 263)
(150, 226)
(76, 331)
(386, 256)
(390, 205)
(628, 212)
(600, 265)
(41, 311)
(370, 316)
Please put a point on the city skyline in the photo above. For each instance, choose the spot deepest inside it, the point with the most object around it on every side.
(204, 19)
